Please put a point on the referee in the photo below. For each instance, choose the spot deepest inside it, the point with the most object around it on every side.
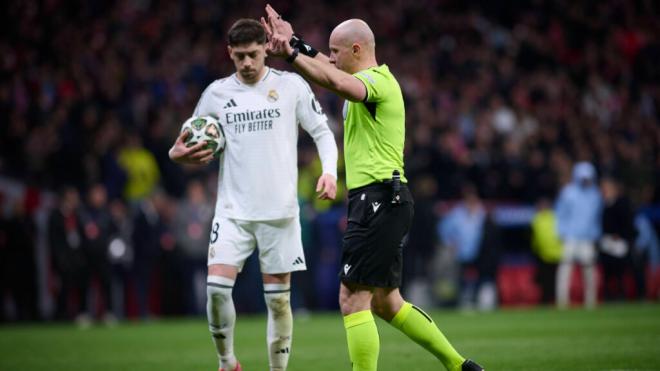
(380, 207)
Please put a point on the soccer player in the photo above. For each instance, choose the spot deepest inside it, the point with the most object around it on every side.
(259, 109)
(380, 205)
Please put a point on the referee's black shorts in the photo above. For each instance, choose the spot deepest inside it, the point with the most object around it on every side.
(374, 238)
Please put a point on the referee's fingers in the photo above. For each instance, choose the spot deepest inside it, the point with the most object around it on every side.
(266, 26)
(271, 11)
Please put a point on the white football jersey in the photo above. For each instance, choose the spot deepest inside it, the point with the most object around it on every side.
(258, 177)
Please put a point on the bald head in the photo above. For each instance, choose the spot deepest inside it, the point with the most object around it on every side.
(354, 31)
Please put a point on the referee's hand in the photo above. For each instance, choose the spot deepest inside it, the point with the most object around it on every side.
(275, 24)
(327, 186)
(195, 155)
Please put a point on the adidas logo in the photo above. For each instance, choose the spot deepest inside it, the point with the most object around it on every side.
(282, 351)
(298, 261)
(230, 104)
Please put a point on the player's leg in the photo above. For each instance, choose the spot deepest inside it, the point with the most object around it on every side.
(277, 294)
(280, 253)
(230, 245)
(361, 331)
(388, 304)
(221, 312)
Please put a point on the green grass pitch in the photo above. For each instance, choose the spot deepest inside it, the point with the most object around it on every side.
(613, 337)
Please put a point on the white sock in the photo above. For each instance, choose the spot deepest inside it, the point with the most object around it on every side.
(222, 317)
(280, 324)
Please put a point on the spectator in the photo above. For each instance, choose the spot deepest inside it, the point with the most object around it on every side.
(646, 250)
(618, 237)
(140, 167)
(191, 225)
(422, 242)
(18, 271)
(462, 231)
(121, 254)
(547, 248)
(65, 234)
(488, 263)
(99, 231)
(579, 210)
(148, 228)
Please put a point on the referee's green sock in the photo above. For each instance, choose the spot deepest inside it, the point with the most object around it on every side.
(419, 326)
(363, 341)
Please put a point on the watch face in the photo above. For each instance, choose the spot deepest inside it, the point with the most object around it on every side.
(294, 40)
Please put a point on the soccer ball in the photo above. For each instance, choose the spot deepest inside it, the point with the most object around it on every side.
(206, 129)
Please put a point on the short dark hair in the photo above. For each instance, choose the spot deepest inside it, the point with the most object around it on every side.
(245, 31)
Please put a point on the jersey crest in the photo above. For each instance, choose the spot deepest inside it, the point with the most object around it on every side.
(273, 96)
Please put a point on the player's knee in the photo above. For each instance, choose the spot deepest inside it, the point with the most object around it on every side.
(218, 296)
(279, 304)
(221, 312)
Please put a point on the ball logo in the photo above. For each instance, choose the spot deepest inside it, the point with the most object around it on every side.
(198, 123)
(273, 96)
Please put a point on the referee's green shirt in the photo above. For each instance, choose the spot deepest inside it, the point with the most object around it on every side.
(374, 130)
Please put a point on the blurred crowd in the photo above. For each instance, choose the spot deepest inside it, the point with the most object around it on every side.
(502, 100)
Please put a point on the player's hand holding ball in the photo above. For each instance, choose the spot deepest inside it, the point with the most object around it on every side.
(201, 140)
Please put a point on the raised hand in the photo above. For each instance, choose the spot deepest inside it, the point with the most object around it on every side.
(279, 33)
(277, 24)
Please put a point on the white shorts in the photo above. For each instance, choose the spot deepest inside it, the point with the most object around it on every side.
(582, 252)
(279, 242)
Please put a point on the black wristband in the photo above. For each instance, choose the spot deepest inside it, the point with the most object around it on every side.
(297, 42)
(293, 55)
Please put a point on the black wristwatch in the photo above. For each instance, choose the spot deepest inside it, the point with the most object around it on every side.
(297, 42)
(293, 55)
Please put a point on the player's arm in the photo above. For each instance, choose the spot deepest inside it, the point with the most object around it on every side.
(194, 155)
(311, 117)
(326, 186)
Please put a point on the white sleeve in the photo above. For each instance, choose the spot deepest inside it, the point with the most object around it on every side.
(311, 117)
(204, 107)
